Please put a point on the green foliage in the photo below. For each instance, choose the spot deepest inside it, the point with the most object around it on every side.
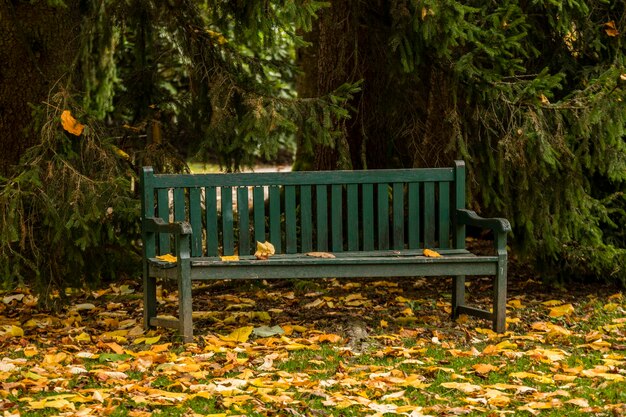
(538, 100)
(159, 81)
(69, 217)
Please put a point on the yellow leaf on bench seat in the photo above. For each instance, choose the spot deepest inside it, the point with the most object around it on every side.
(431, 253)
(167, 258)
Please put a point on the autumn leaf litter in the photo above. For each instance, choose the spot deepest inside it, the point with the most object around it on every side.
(316, 348)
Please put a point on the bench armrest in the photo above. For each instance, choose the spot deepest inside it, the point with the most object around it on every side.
(470, 218)
(499, 226)
(158, 225)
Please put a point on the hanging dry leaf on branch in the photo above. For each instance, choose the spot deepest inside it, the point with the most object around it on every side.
(610, 29)
(70, 124)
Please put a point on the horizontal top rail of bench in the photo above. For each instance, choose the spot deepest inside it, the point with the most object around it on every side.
(303, 178)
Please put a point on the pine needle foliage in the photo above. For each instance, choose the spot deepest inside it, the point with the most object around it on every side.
(69, 218)
(536, 94)
(153, 81)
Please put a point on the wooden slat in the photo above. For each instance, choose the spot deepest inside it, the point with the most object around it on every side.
(212, 231)
(180, 207)
(444, 215)
(368, 216)
(459, 202)
(336, 218)
(353, 216)
(244, 221)
(321, 198)
(306, 219)
(195, 219)
(163, 211)
(147, 208)
(383, 216)
(429, 214)
(291, 238)
(398, 216)
(228, 232)
(414, 215)
(384, 176)
(258, 196)
(275, 237)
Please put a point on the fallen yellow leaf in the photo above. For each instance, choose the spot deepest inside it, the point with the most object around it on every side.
(264, 250)
(462, 386)
(552, 303)
(240, 335)
(229, 258)
(431, 253)
(167, 258)
(321, 255)
(70, 124)
(560, 311)
(13, 331)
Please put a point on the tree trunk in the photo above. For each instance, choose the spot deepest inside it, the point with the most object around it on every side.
(37, 48)
(401, 119)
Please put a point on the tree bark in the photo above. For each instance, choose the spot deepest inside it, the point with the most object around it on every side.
(37, 48)
(402, 119)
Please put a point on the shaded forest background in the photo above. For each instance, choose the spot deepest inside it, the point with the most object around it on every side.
(529, 93)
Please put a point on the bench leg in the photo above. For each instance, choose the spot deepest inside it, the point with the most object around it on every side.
(149, 298)
(458, 294)
(184, 301)
(499, 297)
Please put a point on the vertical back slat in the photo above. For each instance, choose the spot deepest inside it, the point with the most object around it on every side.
(383, 217)
(244, 221)
(275, 237)
(429, 214)
(258, 197)
(195, 219)
(163, 211)
(212, 233)
(180, 214)
(414, 215)
(291, 239)
(147, 208)
(444, 215)
(321, 198)
(398, 216)
(353, 217)
(336, 218)
(367, 200)
(306, 219)
(228, 232)
(459, 202)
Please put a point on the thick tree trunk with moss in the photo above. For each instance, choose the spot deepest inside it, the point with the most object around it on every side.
(37, 47)
(401, 119)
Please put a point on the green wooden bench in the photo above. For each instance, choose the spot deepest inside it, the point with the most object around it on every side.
(376, 223)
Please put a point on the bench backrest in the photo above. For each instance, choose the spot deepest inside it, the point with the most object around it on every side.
(300, 212)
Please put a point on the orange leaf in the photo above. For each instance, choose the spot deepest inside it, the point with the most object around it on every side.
(70, 124)
(611, 30)
(431, 253)
(484, 368)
